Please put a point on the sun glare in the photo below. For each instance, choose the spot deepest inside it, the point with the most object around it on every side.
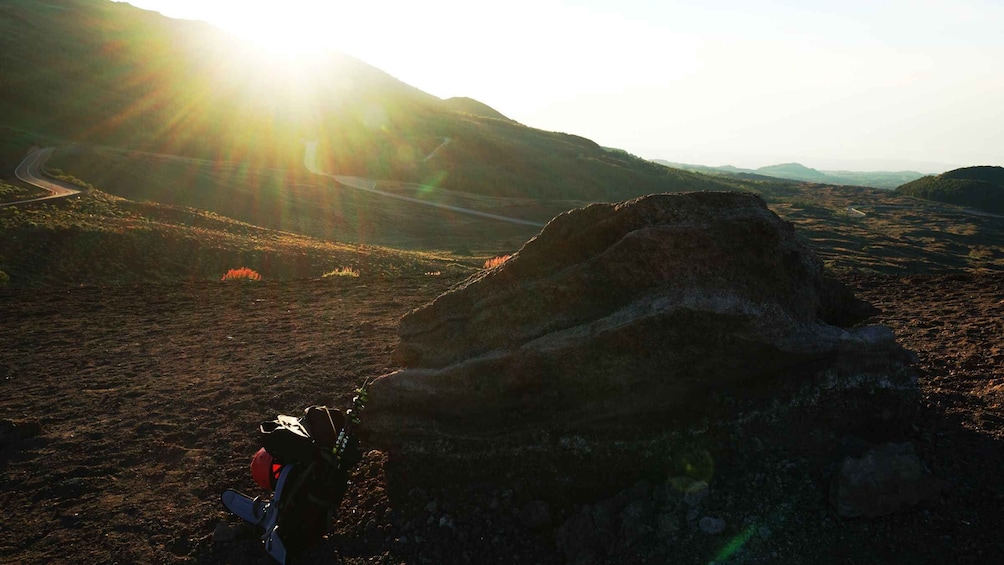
(291, 27)
(288, 30)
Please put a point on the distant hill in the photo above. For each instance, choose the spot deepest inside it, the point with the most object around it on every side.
(796, 171)
(876, 179)
(727, 171)
(99, 72)
(979, 187)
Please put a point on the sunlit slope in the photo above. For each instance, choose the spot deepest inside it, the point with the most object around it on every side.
(101, 72)
(102, 239)
(94, 71)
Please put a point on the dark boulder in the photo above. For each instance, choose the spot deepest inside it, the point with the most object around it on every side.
(622, 319)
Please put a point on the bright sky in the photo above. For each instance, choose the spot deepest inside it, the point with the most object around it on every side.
(857, 84)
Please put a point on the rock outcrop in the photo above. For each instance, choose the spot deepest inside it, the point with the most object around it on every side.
(618, 319)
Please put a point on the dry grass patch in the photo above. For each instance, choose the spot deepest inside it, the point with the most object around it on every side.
(342, 272)
(497, 261)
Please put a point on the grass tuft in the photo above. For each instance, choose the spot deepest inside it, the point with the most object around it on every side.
(342, 272)
(242, 274)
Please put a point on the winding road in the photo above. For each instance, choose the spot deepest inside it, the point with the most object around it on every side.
(369, 185)
(30, 171)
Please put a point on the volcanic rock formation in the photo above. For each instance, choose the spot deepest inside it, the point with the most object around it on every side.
(619, 318)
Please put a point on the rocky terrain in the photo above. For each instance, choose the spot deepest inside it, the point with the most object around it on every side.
(127, 410)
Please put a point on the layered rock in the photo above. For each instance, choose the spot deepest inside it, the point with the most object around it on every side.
(619, 318)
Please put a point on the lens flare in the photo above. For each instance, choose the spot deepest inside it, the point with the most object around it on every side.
(735, 544)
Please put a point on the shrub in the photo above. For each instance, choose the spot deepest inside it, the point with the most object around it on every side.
(4, 279)
(342, 272)
(242, 274)
(496, 261)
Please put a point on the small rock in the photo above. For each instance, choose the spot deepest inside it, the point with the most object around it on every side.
(432, 506)
(884, 480)
(695, 493)
(636, 521)
(668, 524)
(224, 533)
(536, 515)
(575, 444)
(712, 526)
(446, 522)
(639, 490)
(604, 516)
(577, 538)
(680, 483)
(693, 514)
(14, 431)
(662, 493)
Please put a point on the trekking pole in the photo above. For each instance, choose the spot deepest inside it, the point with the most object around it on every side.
(351, 417)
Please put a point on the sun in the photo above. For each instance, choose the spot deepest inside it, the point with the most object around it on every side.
(296, 29)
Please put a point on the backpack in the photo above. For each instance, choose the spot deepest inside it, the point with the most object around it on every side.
(312, 456)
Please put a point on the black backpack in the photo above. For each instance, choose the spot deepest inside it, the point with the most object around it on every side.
(311, 457)
(320, 449)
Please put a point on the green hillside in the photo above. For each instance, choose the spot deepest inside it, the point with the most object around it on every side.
(98, 72)
(980, 187)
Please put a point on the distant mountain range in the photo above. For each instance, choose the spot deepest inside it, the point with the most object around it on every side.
(796, 171)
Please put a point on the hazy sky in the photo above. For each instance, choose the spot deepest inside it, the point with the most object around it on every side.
(877, 84)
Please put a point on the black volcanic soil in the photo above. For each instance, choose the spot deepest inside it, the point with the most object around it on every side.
(126, 411)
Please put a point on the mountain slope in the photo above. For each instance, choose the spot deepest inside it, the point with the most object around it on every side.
(980, 187)
(471, 106)
(99, 72)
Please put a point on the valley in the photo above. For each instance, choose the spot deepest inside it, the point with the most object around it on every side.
(414, 227)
